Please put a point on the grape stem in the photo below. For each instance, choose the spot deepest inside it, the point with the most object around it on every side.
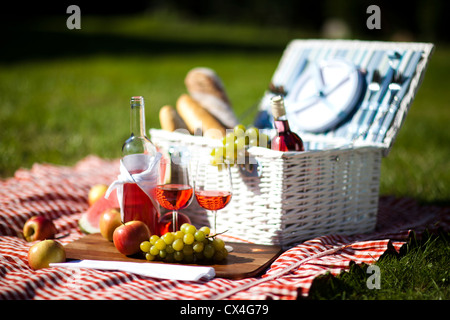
(216, 234)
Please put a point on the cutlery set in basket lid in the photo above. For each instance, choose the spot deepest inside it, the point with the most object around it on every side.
(347, 99)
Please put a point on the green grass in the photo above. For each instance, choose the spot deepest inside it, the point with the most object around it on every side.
(65, 94)
(419, 272)
(418, 164)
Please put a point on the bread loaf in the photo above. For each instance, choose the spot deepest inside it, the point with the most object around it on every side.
(205, 86)
(198, 119)
(170, 120)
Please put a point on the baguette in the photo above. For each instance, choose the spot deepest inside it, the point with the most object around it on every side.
(198, 120)
(205, 86)
(170, 120)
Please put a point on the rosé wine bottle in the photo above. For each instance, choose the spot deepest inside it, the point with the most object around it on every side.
(137, 204)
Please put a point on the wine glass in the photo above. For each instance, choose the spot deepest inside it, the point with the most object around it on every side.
(213, 187)
(174, 190)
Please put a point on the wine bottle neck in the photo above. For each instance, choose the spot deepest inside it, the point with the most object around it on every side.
(138, 142)
(282, 125)
(137, 117)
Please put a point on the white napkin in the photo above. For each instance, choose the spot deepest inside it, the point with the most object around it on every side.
(154, 270)
(147, 179)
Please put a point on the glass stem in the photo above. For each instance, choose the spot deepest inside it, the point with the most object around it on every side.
(215, 220)
(175, 220)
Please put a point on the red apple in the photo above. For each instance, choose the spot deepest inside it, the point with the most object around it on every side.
(96, 192)
(166, 222)
(127, 238)
(43, 253)
(39, 228)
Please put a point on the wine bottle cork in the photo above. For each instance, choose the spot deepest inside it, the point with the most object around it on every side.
(278, 109)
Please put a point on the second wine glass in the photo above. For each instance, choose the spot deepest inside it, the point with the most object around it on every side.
(174, 190)
(213, 187)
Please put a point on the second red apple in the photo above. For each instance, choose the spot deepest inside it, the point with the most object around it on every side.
(128, 237)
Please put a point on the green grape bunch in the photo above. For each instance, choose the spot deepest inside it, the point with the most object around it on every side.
(235, 145)
(188, 245)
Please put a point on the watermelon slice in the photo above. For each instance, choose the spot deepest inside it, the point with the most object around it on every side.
(90, 220)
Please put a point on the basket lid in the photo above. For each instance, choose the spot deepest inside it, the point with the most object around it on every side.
(357, 91)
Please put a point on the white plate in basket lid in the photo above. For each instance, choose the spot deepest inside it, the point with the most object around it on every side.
(324, 95)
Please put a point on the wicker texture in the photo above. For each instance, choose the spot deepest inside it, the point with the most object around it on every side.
(333, 187)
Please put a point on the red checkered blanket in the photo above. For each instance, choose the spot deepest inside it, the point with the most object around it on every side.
(60, 193)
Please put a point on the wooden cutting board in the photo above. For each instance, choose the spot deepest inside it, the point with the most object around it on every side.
(246, 260)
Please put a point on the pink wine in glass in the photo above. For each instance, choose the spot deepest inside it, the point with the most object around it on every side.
(286, 140)
(174, 196)
(213, 200)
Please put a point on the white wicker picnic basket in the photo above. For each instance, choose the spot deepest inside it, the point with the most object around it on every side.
(332, 187)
